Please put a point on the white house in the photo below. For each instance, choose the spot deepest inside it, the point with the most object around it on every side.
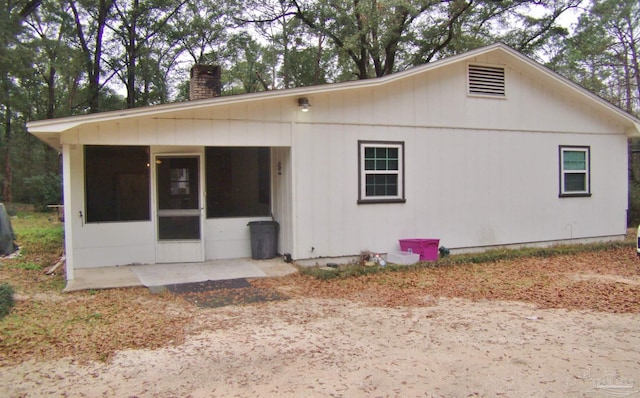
(487, 148)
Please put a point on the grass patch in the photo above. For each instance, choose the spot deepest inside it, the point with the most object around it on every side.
(495, 255)
(634, 201)
(40, 238)
(6, 299)
(28, 266)
(353, 270)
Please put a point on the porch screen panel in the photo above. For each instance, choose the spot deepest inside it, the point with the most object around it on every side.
(238, 181)
(117, 184)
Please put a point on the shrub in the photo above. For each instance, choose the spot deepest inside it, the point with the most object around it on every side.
(634, 204)
(6, 299)
(43, 190)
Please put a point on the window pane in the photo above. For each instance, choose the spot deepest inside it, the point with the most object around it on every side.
(575, 182)
(369, 153)
(117, 183)
(238, 182)
(392, 184)
(575, 160)
(381, 185)
(369, 164)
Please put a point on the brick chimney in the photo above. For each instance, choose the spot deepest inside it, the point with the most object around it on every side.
(205, 82)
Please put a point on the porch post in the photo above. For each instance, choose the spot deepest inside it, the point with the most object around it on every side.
(68, 209)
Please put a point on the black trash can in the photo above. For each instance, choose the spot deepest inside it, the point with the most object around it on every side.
(264, 239)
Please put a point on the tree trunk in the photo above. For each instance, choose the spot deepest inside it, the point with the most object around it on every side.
(93, 61)
(6, 185)
(132, 55)
(94, 75)
(635, 63)
(51, 93)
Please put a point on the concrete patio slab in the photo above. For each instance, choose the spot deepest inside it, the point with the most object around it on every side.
(151, 275)
(169, 274)
(102, 278)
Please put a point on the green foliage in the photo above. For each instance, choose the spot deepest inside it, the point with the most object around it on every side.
(634, 204)
(344, 271)
(44, 189)
(27, 266)
(306, 69)
(40, 239)
(249, 72)
(6, 299)
(602, 55)
(491, 256)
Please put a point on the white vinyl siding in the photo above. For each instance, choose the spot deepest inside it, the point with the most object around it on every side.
(574, 171)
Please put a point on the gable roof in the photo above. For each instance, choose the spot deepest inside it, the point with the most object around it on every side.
(50, 129)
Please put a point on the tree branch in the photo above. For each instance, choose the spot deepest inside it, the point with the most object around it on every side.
(449, 26)
(28, 8)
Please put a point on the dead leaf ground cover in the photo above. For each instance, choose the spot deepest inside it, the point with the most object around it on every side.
(47, 324)
(610, 282)
(90, 325)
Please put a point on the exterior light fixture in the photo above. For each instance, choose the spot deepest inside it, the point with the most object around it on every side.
(304, 104)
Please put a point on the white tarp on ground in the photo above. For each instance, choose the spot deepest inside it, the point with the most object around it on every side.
(168, 274)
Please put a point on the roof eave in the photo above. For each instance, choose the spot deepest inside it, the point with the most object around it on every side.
(633, 131)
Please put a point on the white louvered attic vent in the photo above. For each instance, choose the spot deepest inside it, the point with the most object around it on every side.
(486, 80)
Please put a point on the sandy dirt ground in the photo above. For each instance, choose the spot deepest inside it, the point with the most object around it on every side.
(339, 348)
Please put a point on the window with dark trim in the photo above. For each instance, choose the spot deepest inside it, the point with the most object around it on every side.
(117, 183)
(238, 181)
(575, 179)
(381, 172)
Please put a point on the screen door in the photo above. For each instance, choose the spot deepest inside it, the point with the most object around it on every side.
(179, 210)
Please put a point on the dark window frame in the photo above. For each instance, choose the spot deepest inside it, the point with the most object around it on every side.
(119, 175)
(362, 197)
(563, 193)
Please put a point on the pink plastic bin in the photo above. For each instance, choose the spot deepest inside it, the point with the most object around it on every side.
(427, 248)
